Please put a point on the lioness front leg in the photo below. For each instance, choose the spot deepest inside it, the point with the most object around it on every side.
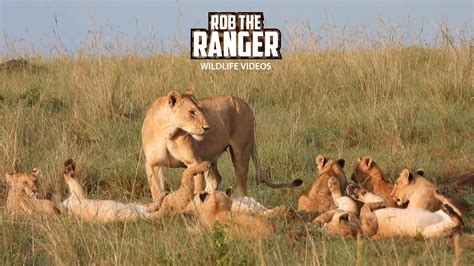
(156, 181)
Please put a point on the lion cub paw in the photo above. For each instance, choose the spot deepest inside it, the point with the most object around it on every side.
(69, 168)
(202, 166)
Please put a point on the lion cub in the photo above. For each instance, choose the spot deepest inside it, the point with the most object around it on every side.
(179, 200)
(319, 198)
(370, 176)
(344, 204)
(216, 207)
(22, 196)
(104, 211)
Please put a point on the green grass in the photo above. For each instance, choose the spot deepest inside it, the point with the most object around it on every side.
(406, 107)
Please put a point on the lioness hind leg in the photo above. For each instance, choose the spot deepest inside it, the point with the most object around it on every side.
(446, 227)
(240, 160)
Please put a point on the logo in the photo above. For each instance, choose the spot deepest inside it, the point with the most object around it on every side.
(236, 35)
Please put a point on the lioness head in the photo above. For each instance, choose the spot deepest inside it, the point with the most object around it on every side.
(211, 203)
(186, 114)
(402, 190)
(344, 224)
(24, 182)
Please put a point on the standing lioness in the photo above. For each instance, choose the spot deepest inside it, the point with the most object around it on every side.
(181, 131)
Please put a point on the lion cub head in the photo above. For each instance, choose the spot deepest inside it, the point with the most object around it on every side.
(26, 183)
(330, 166)
(209, 204)
(186, 114)
(366, 168)
(404, 186)
(344, 224)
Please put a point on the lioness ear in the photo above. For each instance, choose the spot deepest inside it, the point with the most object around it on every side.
(203, 196)
(406, 174)
(320, 161)
(368, 161)
(36, 172)
(228, 192)
(420, 172)
(410, 177)
(173, 98)
(341, 162)
(189, 91)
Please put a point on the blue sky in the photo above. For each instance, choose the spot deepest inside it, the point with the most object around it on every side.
(31, 23)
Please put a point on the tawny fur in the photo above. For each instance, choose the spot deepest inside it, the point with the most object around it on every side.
(77, 204)
(178, 201)
(369, 175)
(251, 206)
(22, 196)
(343, 224)
(343, 203)
(216, 207)
(415, 190)
(319, 197)
(376, 221)
(181, 131)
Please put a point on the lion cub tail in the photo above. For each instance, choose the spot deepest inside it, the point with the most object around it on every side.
(264, 177)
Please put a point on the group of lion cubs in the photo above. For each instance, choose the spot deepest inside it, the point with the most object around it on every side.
(371, 206)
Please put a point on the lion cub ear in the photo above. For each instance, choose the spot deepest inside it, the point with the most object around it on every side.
(189, 91)
(344, 218)
(368, 162)
(36, 172)
(173, 98)
(405, 174)
(203, 196)
(341, 162)
(320, 161)
(10, 177)
(228, 192)
(420, 172)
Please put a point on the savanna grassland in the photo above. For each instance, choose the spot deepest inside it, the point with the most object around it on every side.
(408, 106)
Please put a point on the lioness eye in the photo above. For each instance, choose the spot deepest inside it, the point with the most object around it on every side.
(192, 112)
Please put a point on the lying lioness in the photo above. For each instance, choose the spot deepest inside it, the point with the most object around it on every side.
(22, 196)
(79, 205)
(376, 221)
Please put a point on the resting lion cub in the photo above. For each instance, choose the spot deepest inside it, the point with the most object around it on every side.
(216, 206)
(79, 205)
(179, 200)
(22, 197)
(370, 176)
(319, 197)
(344, 204)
